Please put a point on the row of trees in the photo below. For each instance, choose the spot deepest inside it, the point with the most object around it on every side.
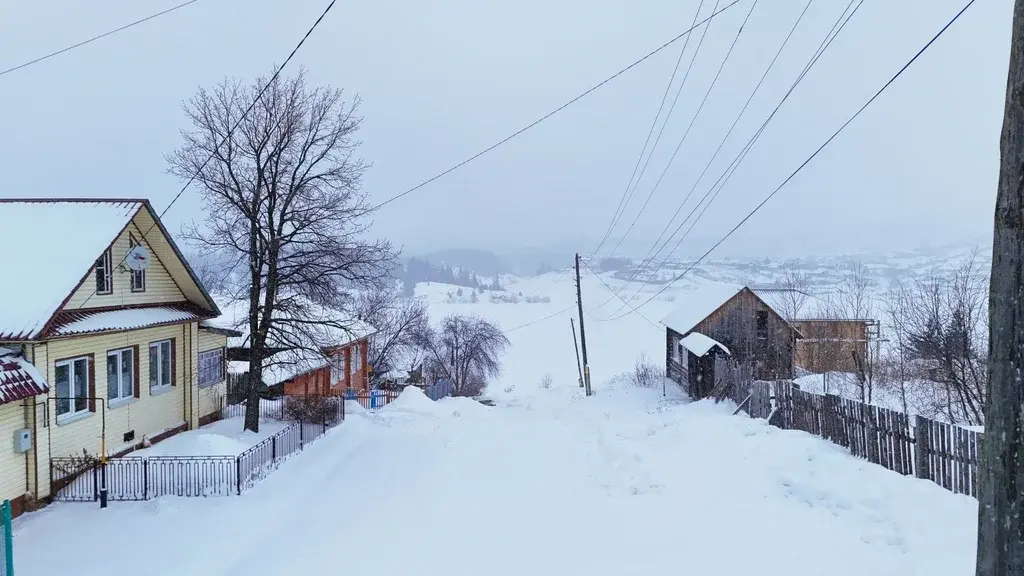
(416, 270)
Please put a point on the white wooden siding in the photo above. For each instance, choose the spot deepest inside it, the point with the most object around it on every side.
(160, 287)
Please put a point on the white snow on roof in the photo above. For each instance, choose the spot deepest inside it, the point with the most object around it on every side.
(126, 320)
(49, 247)
(699, 344)
(698, 303)
(235, 316)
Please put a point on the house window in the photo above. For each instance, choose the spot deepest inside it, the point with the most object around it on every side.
(104, 275)
(211, 367)
(357, 359)
(138, 276)
(120, 374)
(160, 365)
(337, 369)
(71, 378)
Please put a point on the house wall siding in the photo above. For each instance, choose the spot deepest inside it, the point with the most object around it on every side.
(673, 366)
(160, 286)
(13, 465)
(210, 396)
(148, 415)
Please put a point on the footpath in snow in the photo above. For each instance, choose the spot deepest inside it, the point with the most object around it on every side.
(621, 483)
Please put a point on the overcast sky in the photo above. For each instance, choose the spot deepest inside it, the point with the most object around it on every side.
(441, 80)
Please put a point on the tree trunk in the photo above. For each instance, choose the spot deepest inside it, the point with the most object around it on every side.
(1001, 475)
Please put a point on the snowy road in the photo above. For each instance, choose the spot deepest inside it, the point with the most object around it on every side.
(621, 483)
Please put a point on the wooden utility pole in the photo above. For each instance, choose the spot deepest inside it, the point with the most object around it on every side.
(583, 332)
(579, 367)
(1001, 466)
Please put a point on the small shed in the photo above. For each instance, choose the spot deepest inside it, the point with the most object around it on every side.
(717, 320)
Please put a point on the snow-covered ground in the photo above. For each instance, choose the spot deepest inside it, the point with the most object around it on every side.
(545, 482)
(554, 483)
(222, 438)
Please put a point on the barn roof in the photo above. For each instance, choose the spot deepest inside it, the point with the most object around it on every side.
(700, 344)
(698, 303)
(702, 301)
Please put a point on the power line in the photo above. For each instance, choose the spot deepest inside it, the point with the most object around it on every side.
(816, 152)
(548, 317)
(624, 302)
(693, 120)
(654, 124)
(723, 179)
(95, 38)
(553, 112)
(233, 128)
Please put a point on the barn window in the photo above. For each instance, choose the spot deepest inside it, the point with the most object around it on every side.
(762, 324)
(104, 276)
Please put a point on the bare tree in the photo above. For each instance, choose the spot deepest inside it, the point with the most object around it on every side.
(897, 308)
(281, 190)
(1001, 469)
(796, 288)
(398, 321)
(466, 351)
(945, 336)
(853, 299)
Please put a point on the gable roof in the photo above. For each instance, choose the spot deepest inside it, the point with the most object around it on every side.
(703, 300)
(698, 303)
(700, 344)
(52, 245)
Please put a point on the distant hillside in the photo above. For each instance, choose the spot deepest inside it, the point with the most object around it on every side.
(481, 262)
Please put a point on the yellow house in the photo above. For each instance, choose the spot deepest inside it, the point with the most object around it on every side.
(100, 355)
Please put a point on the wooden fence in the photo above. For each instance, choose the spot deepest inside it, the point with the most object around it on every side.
(915, 446)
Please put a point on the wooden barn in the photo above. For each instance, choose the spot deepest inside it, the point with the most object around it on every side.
(722, 320)
(829, 344)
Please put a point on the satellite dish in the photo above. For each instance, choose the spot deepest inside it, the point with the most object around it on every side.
(137, 258)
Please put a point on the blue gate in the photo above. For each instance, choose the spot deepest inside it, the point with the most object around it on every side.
(439, 389)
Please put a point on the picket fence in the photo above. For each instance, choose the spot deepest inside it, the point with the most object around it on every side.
(915, 446)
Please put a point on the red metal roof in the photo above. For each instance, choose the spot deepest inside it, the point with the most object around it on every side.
(19, 379)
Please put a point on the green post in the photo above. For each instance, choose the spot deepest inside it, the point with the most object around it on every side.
(8, 540)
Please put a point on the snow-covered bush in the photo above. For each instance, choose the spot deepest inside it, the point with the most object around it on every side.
(546, 382)
(645, 373)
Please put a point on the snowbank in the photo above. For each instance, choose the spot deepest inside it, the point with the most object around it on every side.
(221, 438)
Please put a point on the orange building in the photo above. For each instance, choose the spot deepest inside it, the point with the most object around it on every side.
(346, 368)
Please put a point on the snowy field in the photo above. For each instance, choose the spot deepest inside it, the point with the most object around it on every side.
(546, 482)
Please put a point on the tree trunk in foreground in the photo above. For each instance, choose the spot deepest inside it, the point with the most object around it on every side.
(1001, 474)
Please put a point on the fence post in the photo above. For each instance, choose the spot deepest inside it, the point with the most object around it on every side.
(301, 440)
(870, 432)
(95, 484)
(273, 448)
(922, 448)
(8, 540)
(145, 479)
(238, 473)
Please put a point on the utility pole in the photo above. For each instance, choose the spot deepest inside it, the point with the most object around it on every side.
(583, 332)
(1001, 465)
(579, 367)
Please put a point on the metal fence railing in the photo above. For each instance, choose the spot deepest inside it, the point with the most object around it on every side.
(6, 540)
(82, 478)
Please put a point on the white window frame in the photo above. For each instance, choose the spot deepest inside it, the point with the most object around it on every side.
(161, 386)
(337, 370)
(355, 360)
(222, 368)
(105, 266)
(71, 414)
(136, 274)
(120, 398)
